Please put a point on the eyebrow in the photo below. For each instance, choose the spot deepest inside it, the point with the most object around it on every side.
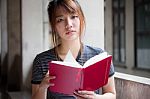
(59, 16)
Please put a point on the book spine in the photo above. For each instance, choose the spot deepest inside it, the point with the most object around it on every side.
(107, 72)
(82, 80)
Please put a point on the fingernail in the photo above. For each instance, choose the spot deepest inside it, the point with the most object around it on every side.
(52, 84)
(76, 90)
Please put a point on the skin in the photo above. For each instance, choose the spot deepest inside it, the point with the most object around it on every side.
(67, 27)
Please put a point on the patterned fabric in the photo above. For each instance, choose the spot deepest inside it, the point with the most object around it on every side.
(40, 66)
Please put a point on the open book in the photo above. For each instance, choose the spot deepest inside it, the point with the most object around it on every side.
(71, 76)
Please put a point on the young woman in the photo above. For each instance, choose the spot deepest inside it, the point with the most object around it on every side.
(67, 24)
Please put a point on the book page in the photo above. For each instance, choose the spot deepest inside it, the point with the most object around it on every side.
(69, 61)
(95, 59)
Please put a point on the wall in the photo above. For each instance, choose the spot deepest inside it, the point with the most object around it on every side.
(32, 36)
(4, 46)
(0, 34)
(94, 13)
(14, 45)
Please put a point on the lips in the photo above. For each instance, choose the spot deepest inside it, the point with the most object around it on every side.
(69, 32)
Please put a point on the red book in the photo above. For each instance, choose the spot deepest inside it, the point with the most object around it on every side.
(70, 76)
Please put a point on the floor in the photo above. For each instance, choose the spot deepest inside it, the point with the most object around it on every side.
(15, 95)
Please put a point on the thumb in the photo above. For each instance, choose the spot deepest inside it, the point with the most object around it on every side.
(47, 72)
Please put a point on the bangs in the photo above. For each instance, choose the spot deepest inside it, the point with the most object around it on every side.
(68, 5)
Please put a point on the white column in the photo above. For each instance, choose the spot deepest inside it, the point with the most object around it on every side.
(32, 36)
(108, 26)
(94, 14)
(130, 33)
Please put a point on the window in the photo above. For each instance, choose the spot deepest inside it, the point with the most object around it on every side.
(128, 35)
(118, 8)
(142, 33)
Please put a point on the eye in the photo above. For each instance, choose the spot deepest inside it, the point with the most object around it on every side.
(59, 20)
(74, 16)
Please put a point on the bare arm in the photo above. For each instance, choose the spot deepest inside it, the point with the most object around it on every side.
(39, 91)
(109, 92)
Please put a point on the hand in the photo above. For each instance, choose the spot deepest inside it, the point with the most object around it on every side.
(86, 94)
(46, 81)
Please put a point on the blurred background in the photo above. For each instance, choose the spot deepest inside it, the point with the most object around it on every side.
(121, 27)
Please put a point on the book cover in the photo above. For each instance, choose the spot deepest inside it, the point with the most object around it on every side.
(71, 76)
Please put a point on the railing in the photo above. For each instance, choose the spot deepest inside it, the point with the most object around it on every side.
(132, 87)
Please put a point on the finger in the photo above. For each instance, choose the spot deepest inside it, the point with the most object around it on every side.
(51, 84)
(48, 82)
(88, 96)
(86, 92)
(47, 72)
(47, 77)
(52, 77)
(77, 95)
(83, 96)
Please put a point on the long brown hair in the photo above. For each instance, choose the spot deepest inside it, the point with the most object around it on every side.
(72, 6)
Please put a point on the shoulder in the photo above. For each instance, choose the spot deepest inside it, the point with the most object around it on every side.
(92, 50)
(48, 54)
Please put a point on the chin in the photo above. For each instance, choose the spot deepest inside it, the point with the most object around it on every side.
(73, 38)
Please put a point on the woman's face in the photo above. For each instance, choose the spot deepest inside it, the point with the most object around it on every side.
(67, 25)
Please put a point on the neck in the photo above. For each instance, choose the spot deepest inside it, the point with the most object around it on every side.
(73, 46)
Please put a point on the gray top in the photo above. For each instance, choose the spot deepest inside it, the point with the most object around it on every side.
(40, 66)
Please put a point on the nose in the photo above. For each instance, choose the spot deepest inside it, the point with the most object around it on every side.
(68, 23)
